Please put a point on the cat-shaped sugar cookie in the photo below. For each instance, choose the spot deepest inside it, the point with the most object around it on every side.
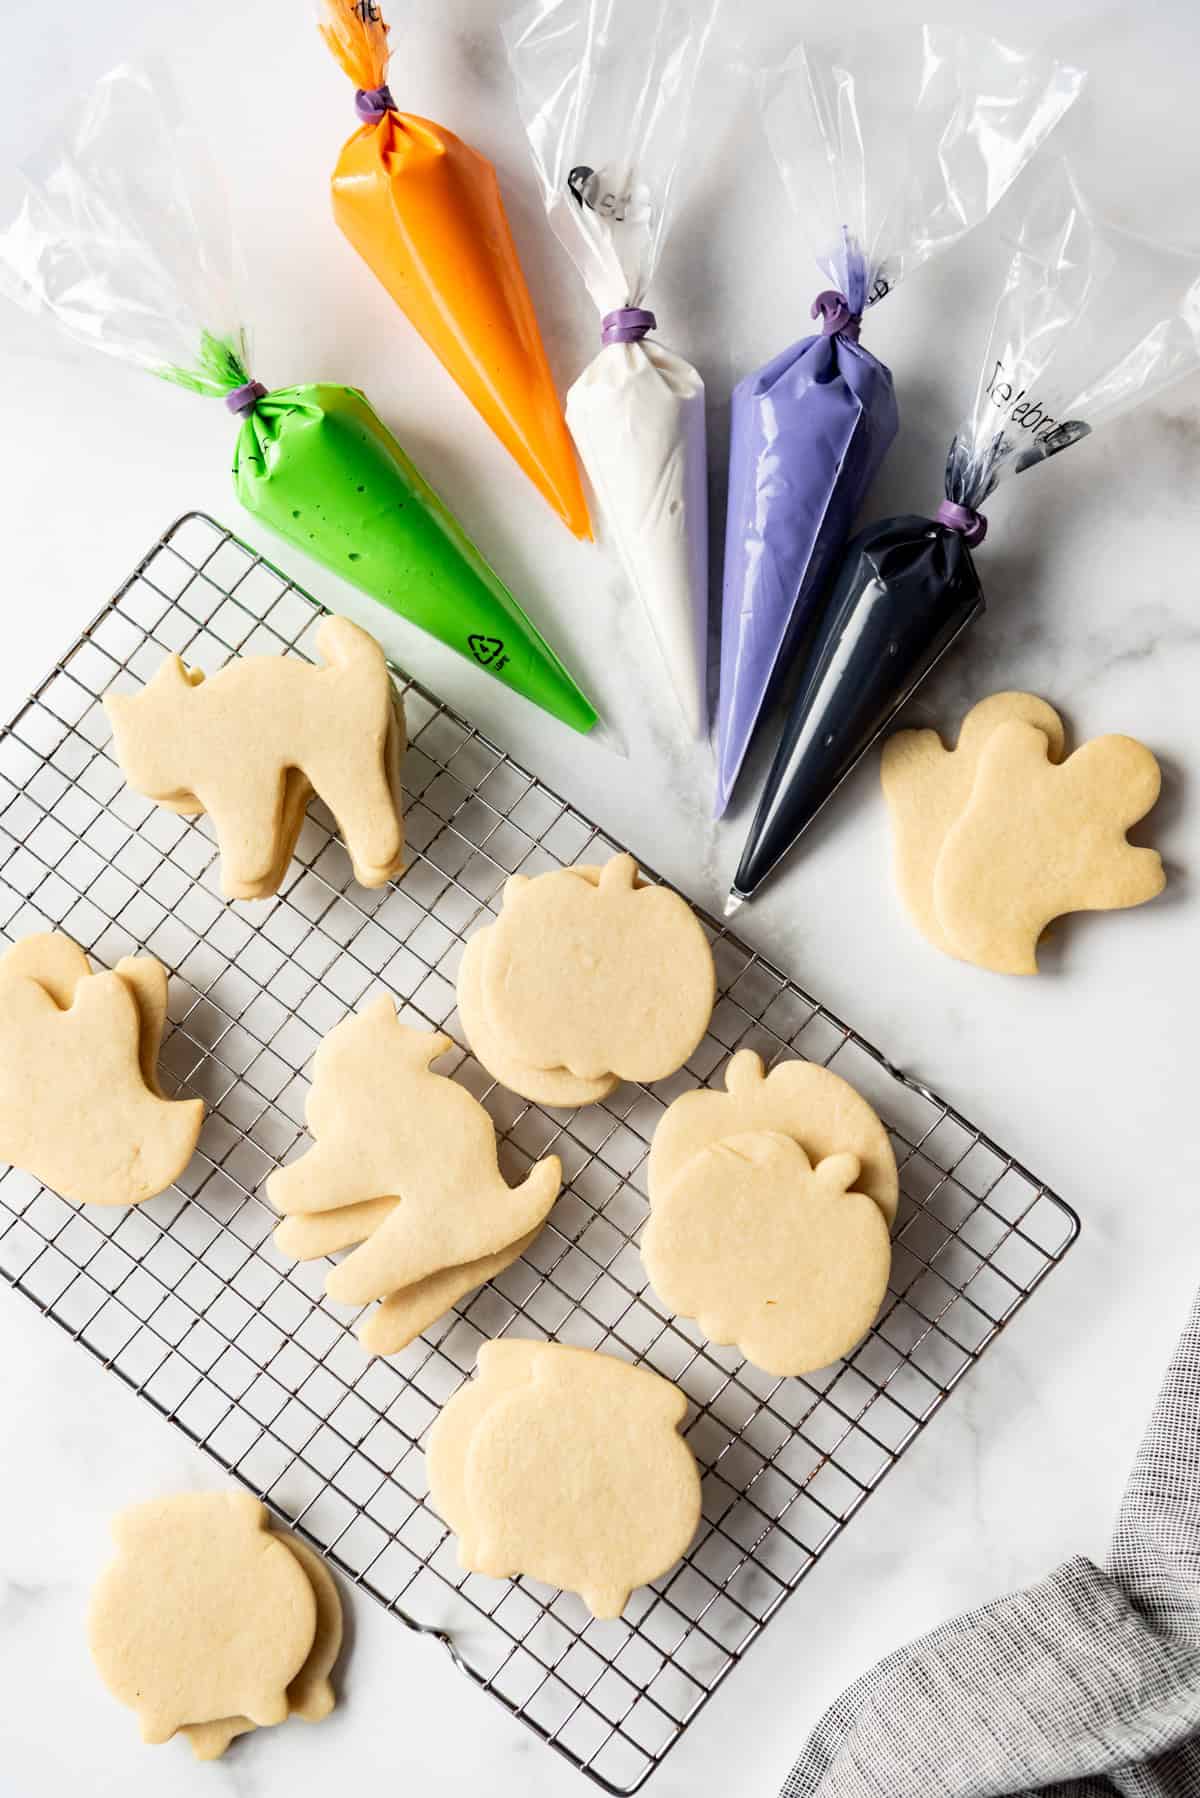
(387, 1126)
(403, 1315)
(567, 1466)
(927, 787)
(765, 1250)
(203, 1616)
(811, 1104)
(93, 1061)
(250, 744)
(612, 978)
(1037, 840)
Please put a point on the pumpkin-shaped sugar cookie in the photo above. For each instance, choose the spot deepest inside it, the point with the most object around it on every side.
(204, 1614)
(767, 1251)
(811, 1104)
(611, 978)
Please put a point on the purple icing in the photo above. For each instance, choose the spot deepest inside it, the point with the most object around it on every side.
(808, 434)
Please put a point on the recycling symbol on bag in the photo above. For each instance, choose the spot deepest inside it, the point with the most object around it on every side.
(488, 651)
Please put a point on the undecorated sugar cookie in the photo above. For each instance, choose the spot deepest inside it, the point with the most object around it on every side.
(386, 1126)
(403, 1316)
(611, 979)
(927, 787)
(566, 1466)
(1036, 841)
(249, 745)
(769, 1252)
(203, 1616)
(555, 1087)
(59, 964)
(811, 1104)
(310, 1695)
(90, 1062)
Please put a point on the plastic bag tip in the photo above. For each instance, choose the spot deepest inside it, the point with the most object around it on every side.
(733, 902)
(607, 736)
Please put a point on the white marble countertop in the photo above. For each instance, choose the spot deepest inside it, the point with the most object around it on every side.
(1088, 1074)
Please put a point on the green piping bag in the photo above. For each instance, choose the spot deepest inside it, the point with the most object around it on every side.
(122, 237)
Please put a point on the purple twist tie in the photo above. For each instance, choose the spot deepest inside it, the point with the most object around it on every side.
(244, 399)
(628, 324)
(971, 526)
(373, 103)
(833, 310)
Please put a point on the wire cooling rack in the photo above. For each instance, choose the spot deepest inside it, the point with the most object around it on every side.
(188, 1301)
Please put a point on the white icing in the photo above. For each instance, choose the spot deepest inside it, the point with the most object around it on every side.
(637, 415)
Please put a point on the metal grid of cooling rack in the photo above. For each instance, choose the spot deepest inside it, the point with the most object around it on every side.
(187, 1299)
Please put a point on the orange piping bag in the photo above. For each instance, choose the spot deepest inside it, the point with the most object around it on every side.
(423, 210)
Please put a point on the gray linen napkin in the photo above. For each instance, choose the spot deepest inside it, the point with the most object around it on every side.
(1086, 1685)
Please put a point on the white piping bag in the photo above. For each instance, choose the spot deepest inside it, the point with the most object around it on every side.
(604, 88)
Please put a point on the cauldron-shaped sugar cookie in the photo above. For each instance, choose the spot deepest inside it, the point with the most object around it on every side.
(567, 1466)
(604, 978)
(203, 1615)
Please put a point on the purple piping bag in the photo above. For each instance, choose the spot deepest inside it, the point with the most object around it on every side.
(890, 150)
(825, 406)
(1089, 323)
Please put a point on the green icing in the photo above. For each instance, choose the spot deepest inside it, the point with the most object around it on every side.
(318, 465)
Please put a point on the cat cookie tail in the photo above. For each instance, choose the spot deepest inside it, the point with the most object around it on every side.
(409, 1246)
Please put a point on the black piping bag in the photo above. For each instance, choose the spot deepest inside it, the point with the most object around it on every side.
(1091, 322)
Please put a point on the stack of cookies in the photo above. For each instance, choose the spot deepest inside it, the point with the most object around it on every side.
(404, 1171)
(83, 1047)
(567, 1466)
(251, 746)
(771, 1206)
(212, 1624)
(587, 978)
(996, 838)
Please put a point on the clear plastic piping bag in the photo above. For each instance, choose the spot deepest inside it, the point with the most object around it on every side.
(1091, 322)
(891, 146)
(605, 88)
(423, 210)
(122, 236)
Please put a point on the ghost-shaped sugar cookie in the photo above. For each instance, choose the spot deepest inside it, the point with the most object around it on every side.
(765, 1250)
(58, 964)
(605, 979)
(310, 1694)
(567, 1466)
(811, 1104)
(386, 1126)
(203, 1616)
(927, 787)
(1037, 840)
(251, 744)
(91, 1061)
